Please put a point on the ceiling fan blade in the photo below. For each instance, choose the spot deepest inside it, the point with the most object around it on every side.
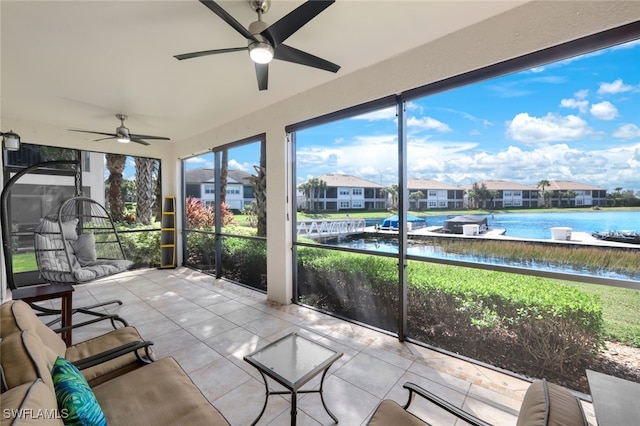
(160, 138)
(262, 74)
(294, 20)
(95, 133)
(140, 141)
(215, 8)
(103, 139)
(291, 54)
(208, 52)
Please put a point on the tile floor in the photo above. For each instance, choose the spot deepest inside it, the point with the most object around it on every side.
(208, 325)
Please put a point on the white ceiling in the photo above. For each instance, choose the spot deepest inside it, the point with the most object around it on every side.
(74, 64)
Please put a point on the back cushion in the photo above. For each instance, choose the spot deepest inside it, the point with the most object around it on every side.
(25, 358)
(85, 248)
(52, 256)
(546, 404)
(17, 315)
(52, 229)
(30, 403)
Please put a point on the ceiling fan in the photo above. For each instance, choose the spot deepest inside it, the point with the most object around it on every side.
(122, 134)
(265, 42)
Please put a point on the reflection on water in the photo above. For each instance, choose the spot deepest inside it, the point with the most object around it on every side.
(424, 249)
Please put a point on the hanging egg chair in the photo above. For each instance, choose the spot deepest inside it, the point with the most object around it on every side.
(77, 242)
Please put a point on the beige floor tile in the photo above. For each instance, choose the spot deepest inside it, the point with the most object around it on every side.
(242, 405)
(209, 325)
(371, 374)
(234, 340)
(218, 378)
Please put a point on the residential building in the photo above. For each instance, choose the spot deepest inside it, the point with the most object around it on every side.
(564, 193)
(343, 192)
(435, 195)
(498, 194)
(200, 184)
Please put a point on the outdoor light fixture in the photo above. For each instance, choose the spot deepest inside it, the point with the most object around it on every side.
(260, 52)
(11, 141)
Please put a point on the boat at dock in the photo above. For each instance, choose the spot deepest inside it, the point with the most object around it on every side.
(630, 237)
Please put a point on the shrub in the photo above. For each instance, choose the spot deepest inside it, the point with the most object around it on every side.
(200, 216)
(531, 324)
(142, 246)
(245, 261)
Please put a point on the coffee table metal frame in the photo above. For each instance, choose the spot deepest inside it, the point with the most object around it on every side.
(287, 351)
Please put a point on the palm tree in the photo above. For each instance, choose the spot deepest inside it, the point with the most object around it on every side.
(472, 197)
(416, 196)
(145, 168)
(544, 183)
(480, 194)
(158, 193)
(259, 183)
(318, 186)
(115, 165)
(224, 172)
(392, 191)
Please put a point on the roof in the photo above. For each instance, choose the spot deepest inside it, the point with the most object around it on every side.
(202, 174)
(429, 184)
(567, 185)
(502, 185)
(336, 180)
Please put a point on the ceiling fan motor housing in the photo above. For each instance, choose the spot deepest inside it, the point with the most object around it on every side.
(261, 6)
(261, 50)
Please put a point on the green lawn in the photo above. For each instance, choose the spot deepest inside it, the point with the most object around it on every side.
(621, 312)
(23, 262)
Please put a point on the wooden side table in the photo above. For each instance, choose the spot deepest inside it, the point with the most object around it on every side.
(38, 293)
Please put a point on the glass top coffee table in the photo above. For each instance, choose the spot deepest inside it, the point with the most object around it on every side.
(292, 361)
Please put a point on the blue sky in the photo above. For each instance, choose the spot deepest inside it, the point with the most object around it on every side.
(577, 119)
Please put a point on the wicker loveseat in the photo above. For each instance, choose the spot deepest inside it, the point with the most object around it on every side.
(127, 390)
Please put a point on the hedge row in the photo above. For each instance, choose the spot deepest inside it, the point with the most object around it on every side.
(531, 324)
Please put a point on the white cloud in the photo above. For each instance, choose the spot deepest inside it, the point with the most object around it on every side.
(581, 94)
(550, 128)
(376, 140)
(428, 123)
(381, 114)
(245, 167)
(614, 87)
(575, 104)
(604, 111)
(627, 131)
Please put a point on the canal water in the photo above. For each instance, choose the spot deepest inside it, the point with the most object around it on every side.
(538, 225)
(522, 225)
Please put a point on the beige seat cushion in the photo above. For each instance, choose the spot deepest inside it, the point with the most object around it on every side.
(390, 413)
(16, 315)
(546, 404)
(35, 402)
(107, 370)
(25, 358)
(158, 393)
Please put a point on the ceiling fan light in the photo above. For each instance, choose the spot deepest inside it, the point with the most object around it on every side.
(123, 139)
(260, 52)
